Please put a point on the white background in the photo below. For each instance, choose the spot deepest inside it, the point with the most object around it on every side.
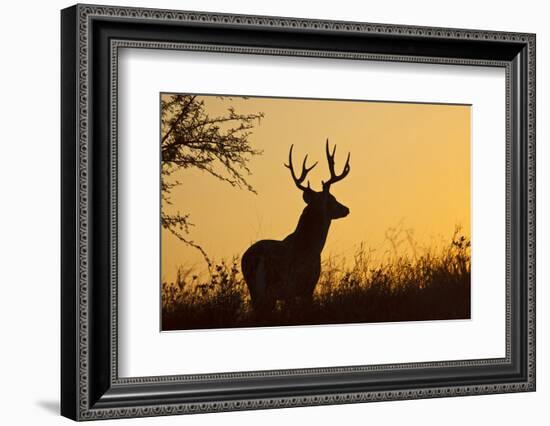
(140, 343)
(29, 229)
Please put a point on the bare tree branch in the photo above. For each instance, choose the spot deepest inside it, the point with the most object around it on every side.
(218, 145)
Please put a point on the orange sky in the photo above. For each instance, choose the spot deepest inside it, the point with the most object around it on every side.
(410, 167)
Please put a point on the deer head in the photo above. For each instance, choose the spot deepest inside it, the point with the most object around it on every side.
(323, 201)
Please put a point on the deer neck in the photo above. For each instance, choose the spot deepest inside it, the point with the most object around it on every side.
(311, 233)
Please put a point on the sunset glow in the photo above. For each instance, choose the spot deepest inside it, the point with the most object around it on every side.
(410, 169)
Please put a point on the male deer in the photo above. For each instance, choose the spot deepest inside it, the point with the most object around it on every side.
(288, 270)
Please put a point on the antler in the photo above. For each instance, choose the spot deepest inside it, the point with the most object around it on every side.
(333, 176)
(305, 170)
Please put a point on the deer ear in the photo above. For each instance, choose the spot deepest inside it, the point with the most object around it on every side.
(307, 195)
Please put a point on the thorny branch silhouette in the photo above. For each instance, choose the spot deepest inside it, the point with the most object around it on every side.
(191, 138)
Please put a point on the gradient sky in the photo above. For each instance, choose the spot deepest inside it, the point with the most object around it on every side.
(410, 167)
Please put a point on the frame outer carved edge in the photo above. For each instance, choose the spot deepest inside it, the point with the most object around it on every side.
(84, 13)
(82, 220)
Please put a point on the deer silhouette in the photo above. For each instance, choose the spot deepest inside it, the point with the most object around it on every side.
(288, 270)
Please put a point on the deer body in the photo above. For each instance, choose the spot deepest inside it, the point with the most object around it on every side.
(289, 269)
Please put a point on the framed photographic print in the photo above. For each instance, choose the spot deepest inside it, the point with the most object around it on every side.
(263, 212)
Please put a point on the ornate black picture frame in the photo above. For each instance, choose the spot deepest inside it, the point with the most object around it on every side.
(90, 385)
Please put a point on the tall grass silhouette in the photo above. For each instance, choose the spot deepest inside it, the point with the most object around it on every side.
(423, 284)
